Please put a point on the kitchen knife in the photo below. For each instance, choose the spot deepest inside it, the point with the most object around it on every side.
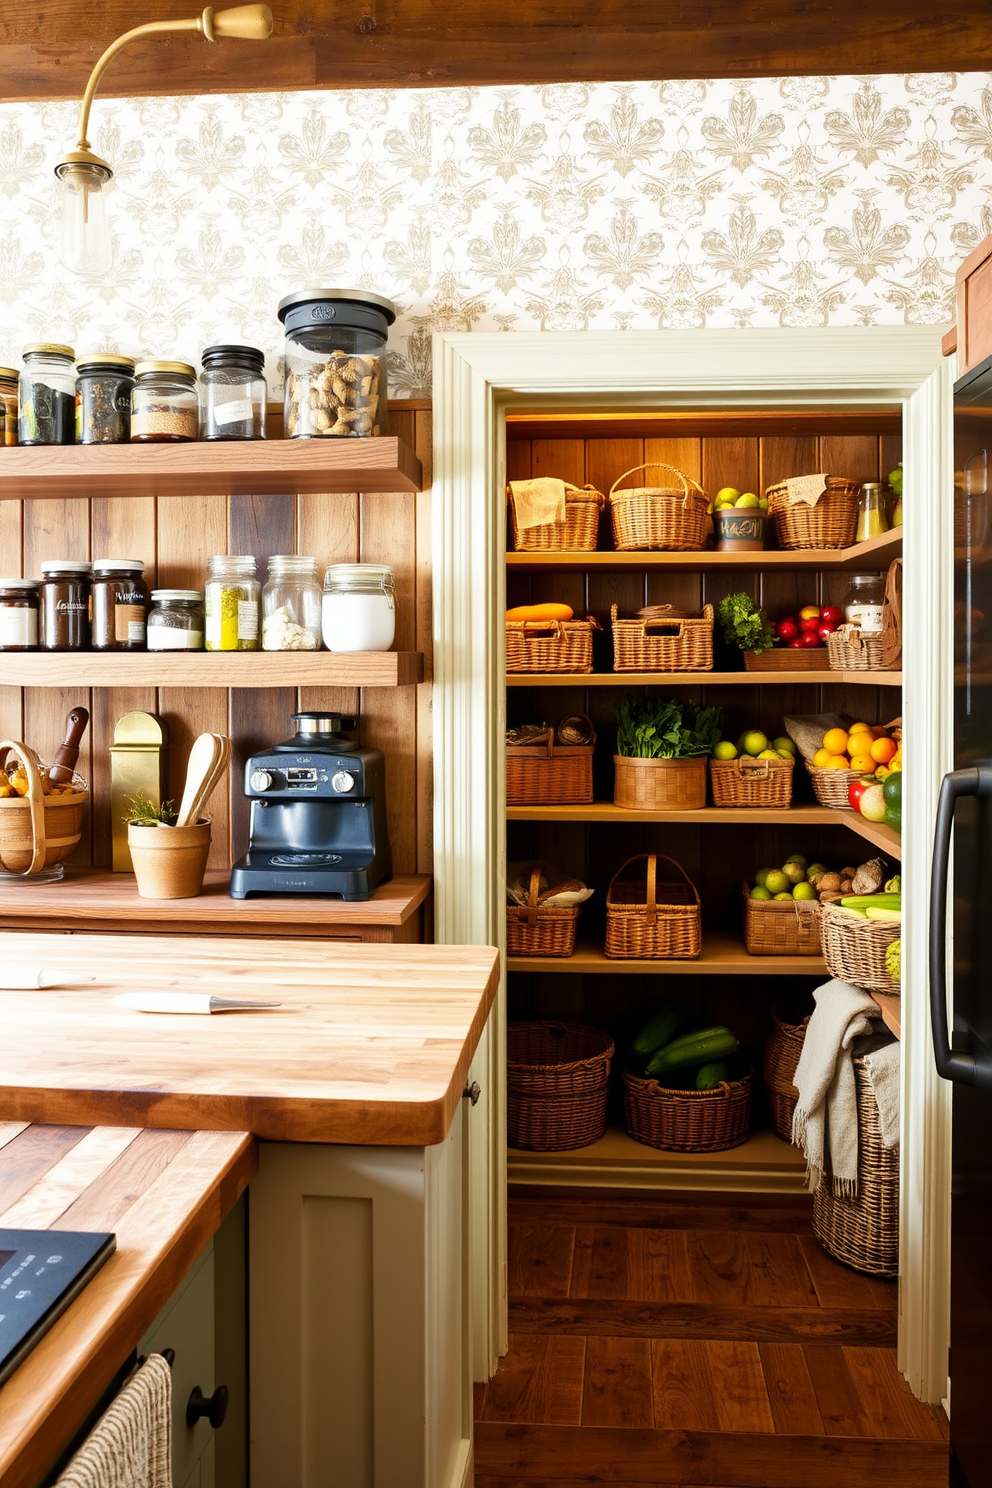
(187, 1002)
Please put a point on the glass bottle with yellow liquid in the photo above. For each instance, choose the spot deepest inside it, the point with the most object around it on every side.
(872, 517)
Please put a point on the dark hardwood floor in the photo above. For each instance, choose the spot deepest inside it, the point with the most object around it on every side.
(675, 1340)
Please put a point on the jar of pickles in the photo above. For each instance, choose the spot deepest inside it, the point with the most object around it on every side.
(232, 393)
(8, 406)
(104, 383)
(335, 362)
(165, 408)
(46, 395)
(231, 603)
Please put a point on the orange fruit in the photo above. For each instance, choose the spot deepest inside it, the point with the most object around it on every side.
(838, 762)
(860, 728)
(835, 740)
(863, 763)
(820, 758)
(883, 750)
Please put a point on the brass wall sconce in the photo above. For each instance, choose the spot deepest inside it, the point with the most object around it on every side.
(85, 233)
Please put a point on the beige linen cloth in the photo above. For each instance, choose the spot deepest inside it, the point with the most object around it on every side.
(131, 1444)
(538, 501)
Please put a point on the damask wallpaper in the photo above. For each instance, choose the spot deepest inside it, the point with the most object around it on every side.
(792, 202)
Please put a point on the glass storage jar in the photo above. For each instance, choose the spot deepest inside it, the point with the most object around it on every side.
(335, 362)
(359, 607)
(18, 615)
(873, 518)
(164, 406)
(291, 605)
(120, 605)
(231, 603)
(46, 395)
(8, 406)
(175, 620)
(66, 605)
(232, 393)
(104, 383)
(863, 602)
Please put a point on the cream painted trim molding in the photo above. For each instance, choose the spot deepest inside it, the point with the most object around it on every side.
(476, 378)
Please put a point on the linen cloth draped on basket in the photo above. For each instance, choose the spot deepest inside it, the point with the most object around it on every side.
(131, 1444)
(825, 1124)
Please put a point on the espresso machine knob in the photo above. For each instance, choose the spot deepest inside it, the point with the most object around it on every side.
(342, 782)
(261, 780)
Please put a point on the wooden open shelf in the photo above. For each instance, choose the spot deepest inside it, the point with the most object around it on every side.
(612, 423)
(887, 838)
(891, 1006)
(723, 955)
(877, 550)
(784, 678)
(224, 468)
(213, 668)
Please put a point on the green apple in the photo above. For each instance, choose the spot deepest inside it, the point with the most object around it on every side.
(804, 891)
(748, 500)
(794, 872)
(761, 875)
(725, 750)
(760, 893)
(755, 742)
(785, 745)
(798, 858)
(777, 883)
(727, 495)
(784, 896)
(769, 754)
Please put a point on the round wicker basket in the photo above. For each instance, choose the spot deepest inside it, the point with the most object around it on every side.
(687, 1120)
(782, 1050)
(38, 831)
(557, 1077)
(864, 1232)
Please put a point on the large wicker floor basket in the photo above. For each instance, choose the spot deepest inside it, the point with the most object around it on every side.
(579, 532)
(829, 524)
(660, 645)
(781, 1057)
(535, 929)
(752, 782)
(671, 516)
(549, 645)
(781, 927)
(652, 918)
(854, 949)
(687, 1120)
(864, 1232)
(550, 774)
(557, 1077)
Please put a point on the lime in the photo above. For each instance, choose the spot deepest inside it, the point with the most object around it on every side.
(760, 893)
(784, 896)
(725, 750)
(749, 499)
(804, 891)
(769, 754)
(798, 858)
(783, 754)
(761, 875)
(727, 495)
(755, 742)
(784, 745)
(794, 872)
(776, 882)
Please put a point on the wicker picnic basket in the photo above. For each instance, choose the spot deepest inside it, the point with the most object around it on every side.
(849, 650)
(864, 1232)
(830, 523)
(672, 518)
(659, 784)
(854, 949)
(579, 532)
(38, 831)
(549, 773)
(830, 786)
(652, 919)
(781, 927)
(658, 644)
(752, 782)
(549, 645)
(687, 1120)
(535, 929)
(557, 1079)
(781, 1058)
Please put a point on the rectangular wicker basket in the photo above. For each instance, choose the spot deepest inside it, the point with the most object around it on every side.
(659, 785)
(534, 929)
(549, 774)
(579, 533)
(651, 919)
(673, 517)
(854, 949)
(549, 645)
(752, 782)
(848, 650)
(777, 927)
(661, 645)
(830, 523)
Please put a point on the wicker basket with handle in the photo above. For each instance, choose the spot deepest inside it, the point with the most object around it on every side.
(830, 786)
(660, 645)
(650, 918)
(659, 784)
(535, 929)
(549, 645)
(854, 949)
(557, 1078)
(781, 927)
(781, 1058)
(550, 774)
(830, 523)
(752, 782)
(851, 650)
(687, 1120)
(579, 532)
(38, 831)
(671, 518)
(864, 1232)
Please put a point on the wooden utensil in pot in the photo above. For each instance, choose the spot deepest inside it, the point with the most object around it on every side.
(66, 757)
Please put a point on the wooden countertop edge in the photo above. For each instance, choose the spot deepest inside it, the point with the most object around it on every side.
(47, 1433)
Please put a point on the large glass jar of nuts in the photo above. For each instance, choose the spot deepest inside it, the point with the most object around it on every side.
(165, 408)
(335, 362)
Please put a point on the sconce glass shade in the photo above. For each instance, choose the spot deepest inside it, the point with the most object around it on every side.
(85, 232)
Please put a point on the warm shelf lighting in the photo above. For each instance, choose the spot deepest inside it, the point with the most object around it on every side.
(83, 175)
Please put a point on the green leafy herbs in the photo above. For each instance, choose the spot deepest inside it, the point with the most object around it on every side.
(648, 728)
(895, 480)
(744, 624)
(144, 813)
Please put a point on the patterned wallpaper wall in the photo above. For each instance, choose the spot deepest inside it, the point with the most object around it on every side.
(793, 202)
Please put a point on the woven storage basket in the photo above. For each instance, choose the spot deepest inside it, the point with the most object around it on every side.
(579, 532)
(549, 774)
(656, 920)
(38, 831)
(830, 786)
(854, 949)
(850, 651)
(781, 1057)
(687, 1120)
(534, 929)
(752, 782)
(671, 518)
(829, 524)
(659, 785)
(780, 927)
(663, 645)
(557, 1077)
(864, 1232)
(549, 645)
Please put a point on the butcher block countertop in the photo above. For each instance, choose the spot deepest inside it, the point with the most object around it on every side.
(372, 1043)
(163, 1194)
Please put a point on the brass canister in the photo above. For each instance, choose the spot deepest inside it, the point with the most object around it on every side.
(137, 768)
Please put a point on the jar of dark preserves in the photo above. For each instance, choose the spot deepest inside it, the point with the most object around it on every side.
(46, 395)
(18, 615)
(103, 398)
(65, 605)
(120, 605)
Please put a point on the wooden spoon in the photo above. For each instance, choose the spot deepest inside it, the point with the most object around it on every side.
(222, 760)
(201, 765)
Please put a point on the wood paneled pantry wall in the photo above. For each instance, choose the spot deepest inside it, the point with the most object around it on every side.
(175, 535)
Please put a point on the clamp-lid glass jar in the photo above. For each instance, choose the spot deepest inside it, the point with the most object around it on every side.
(120, 605)
(359, 607)
(864, 601)
(8, 406)
(165, 408)
(175, 620)
(335, 362)
(232, 393)
(18, 615)
(291, 605)
(65, 604)
(46, 395)
(104, 383)
(232, 603)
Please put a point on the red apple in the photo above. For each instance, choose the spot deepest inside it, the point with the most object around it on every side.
(825, 629)
(809, 622)
(809, 612)
(831, 615)
(809, 638)
(787, 630)
(856, 790)
(796, 641)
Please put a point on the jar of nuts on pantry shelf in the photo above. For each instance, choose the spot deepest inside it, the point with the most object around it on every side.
(165, 408)
(335, 362)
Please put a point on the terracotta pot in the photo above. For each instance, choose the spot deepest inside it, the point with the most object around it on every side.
(169, 862)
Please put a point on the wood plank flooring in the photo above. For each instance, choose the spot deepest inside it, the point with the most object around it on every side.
(672, 1340)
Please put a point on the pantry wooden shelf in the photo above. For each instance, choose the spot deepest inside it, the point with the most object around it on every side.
(700, 679)
(723, 955)
(887, 838)
(225, 468)
(213, 668)
(877, 550)
(891, 1006)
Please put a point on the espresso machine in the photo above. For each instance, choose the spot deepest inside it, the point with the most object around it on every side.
(318, 815)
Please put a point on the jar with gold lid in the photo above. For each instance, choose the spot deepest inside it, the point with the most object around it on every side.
(8, 406)
(104, 382)
(46, 401)
(165, 408)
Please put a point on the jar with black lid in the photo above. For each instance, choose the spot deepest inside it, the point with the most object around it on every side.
(8, 406)
(65, 604)
(335, 362)
(232, 393)
(46, 395)
(120, 605)
(18, 615)
(104, 382)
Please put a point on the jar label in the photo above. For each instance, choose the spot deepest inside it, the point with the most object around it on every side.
(868, 617)
(238, 411)
(247, 620)
(166, 638)
(18, 626)
(129, 624)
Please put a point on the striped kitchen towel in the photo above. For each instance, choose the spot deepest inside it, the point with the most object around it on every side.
(131, 1444)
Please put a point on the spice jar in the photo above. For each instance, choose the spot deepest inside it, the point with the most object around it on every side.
(164, 406)
(175, 620)
(46, 395)
(65, 604)
(120, 605)
(359, 607)
(104, 383)
(18, 615)
(8, 406)
(232, 603)
(335, 362)
(873, 518)
(291, 605)
(232, 393)
(863, 602)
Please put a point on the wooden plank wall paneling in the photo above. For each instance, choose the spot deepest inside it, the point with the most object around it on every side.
(175, 536)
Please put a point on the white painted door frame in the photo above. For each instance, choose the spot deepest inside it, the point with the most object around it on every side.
(476, 377)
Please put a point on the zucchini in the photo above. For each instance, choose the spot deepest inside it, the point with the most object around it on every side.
(881, 913)
(659, 1030)
(872, 901)
(704, 1047)
(712, 1075)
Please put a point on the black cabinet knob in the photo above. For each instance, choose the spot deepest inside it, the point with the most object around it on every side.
(214, 1406)
(472, 1092)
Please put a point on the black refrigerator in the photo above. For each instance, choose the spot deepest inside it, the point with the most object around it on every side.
(963, 1042)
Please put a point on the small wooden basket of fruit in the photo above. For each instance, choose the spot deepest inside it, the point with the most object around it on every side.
(40, 822)
(800, 641)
